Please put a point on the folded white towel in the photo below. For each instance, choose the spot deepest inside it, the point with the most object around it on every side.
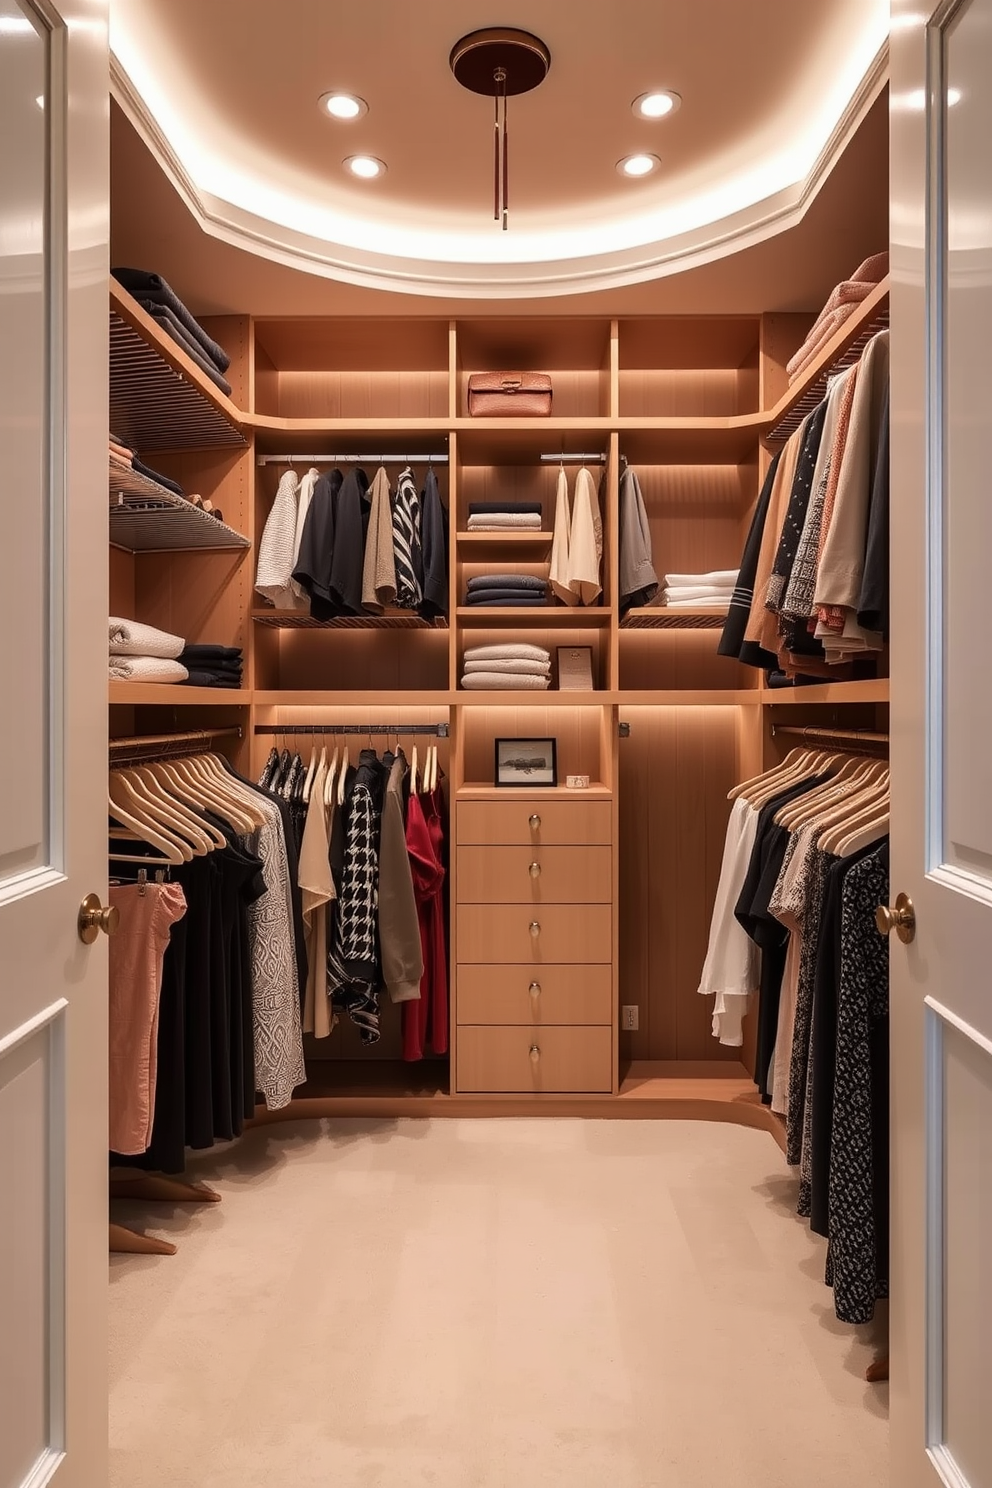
(720, 578)
(535, 668)
(131, 638)
(701, 594)
(716, 602)
(504, 682)
(497, 522)
(508, 651)
(146, 669)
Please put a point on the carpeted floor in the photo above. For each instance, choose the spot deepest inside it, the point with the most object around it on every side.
(489, 1304)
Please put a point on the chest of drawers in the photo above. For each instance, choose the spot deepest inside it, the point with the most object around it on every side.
(533, 914)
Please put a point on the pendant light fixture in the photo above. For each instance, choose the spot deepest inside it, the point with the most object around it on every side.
(498, 62)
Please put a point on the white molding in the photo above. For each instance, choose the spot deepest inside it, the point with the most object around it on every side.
(968, 1029)
(24, 1031)
(21, 884)
(240, 229)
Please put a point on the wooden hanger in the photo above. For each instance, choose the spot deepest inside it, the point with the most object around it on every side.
(203, 790)
(413, 769)
(311, 772)
(141, 818)
(169, 849)
(849, 811)
(863, 836)
(793, 760)
(198, 832)
(343, 777)
(817, 764)
(846, 779)
(173, 783)
(212, 770)
(329, 782)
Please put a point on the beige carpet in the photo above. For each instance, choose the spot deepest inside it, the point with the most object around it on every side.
(489, 1304)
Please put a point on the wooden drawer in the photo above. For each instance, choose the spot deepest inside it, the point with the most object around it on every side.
(534, 875)
(495, 822)
(562, 994)
(535, 1061)
(502, 933)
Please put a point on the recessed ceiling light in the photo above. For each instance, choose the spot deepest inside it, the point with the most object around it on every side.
(366, 166)
(657, 104)
(343, 106)
(638, 165)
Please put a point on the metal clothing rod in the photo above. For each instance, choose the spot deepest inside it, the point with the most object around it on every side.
(378, 459)
(438, 730)
(566, 459)
(151, 746)
(852, 741)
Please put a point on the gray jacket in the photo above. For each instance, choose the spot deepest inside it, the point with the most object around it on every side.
(638, 580)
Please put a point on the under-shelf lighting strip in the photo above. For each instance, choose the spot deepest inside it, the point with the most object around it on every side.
(377, 459)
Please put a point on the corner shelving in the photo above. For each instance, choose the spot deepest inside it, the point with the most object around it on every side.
(146, 518)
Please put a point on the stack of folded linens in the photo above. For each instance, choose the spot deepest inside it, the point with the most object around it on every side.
(712, 590)
(507, 589)
(140, 653)
(212, 666)
(843, 301)
(513, 667)
(156, 296)
(504, 516)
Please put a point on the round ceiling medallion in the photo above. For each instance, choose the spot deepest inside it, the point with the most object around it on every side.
(476, 59)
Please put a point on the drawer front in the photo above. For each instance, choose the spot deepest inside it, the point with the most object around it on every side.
(535, 1061)
(534, 875)
(568, 822)
(530, 935)
(536, 996)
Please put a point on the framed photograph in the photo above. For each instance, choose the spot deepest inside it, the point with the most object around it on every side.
(575, 669)
(526, 762)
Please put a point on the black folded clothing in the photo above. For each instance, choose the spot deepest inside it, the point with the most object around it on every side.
(205, 651)
(491, 508)
(507, 581)
(175, 329)
(525, 599)
(198, 678)
(153, 287)
(155, 475)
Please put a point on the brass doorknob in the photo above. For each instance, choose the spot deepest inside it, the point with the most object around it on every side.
(534, 870)
(94, 917)
(901, 918)
(534, 821)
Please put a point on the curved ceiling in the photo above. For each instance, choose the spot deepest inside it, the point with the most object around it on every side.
(226, 95)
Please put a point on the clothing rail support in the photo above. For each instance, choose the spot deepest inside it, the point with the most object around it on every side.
(437, 730)
(378, 459)
(564, 458)
(148, 747)
(851, 741)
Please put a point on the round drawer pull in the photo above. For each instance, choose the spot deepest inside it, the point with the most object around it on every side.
(534, 870)
(535, 989)
(535, 1053)
(535, 928)
(535, 822)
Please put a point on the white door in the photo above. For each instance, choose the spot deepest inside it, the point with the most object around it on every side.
(53, 759)
(941, 987)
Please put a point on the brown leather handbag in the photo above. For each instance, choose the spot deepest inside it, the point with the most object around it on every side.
(509, 395)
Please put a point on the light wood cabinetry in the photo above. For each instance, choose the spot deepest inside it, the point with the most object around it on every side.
(628, 868)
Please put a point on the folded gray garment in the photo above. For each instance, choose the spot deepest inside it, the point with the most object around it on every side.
(175, 329)
(146, 669)
(131, 638)
(533, 668)
(504, 682)
(507, 651)
(507, 581)
(483, 597)
(526, 521)
(143, 285)
(483, 508)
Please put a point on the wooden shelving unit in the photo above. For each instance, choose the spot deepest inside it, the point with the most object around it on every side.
(146, 518)
(695, 404)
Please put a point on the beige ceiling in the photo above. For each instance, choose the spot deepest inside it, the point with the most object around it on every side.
(795, 270)
(227, 92)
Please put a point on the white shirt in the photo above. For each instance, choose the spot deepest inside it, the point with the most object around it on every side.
(275, 551)
(730, 973)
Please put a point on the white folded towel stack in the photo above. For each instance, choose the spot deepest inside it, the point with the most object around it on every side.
(140, 653)
(712, 590)
(508, 667)
(146, 669)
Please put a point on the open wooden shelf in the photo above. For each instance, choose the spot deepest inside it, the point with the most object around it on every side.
(176, 695)
(595, 791)
(659, 618)
(159, 398)
(868, 690)
(339, 698)
(486, 542)
(391, 620)
(691, 698)
(510, 699)
(146, 518)
(842, 350)
(533, 615)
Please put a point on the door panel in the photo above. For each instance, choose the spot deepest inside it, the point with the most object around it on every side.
(54, 214)
(941, 717)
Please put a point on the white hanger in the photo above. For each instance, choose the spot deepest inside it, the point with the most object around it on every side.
(343, 777)
(141, 818)
(330, 780)
(311, 772)
(199, 833)
(170, 849)
(413, 769)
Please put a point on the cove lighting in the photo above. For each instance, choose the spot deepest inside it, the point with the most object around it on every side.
(343, 106)
(638, 165)
(656, 105)
(365, 166)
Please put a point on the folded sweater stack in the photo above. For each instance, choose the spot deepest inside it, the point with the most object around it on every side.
(712, 590)
(507, 589)
(212, 666)
(513, 667)
(504, 516)
(159, 300)
(140, 653)
(841, 305)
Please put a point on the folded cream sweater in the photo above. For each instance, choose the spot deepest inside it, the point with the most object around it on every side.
(146, 669)
(504, 682)
(535, 668)
(130, 638)
(508, 651)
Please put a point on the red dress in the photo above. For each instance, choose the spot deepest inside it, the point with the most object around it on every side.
(425, 1022)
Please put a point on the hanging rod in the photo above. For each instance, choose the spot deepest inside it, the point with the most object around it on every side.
(438, 730)
(149, 747)
(849, 741)
(563, 458)
(378, 459)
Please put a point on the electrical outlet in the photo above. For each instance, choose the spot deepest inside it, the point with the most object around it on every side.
(628, 1017)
